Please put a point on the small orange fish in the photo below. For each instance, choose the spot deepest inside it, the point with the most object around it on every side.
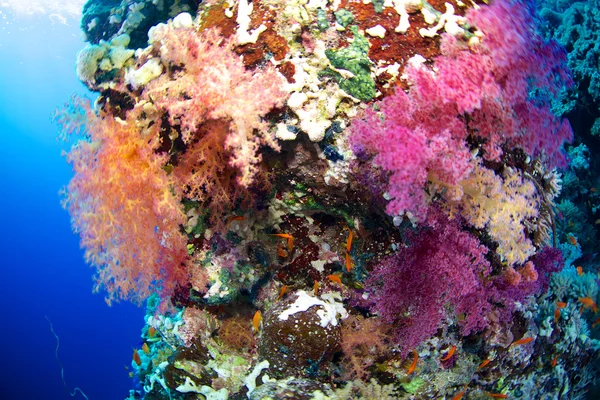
(290, 239)
(521, 341)
(554, 361)
(587, 302)
(450, 354)
(572, 240)
(460, 394)
(281, 252)
(561, 304)
(413, 365)
(593, 190)
(145, 348)
(316, 288)
(349, 241)
(498, 395)
(349, 263)
(136, 358)
(579, 270)
(556, 315)
(282, 235)
(256, 320)
(335, 279)
(151, 332)
(596, 322)
(235, 218)
(484, 364)
(283, 291)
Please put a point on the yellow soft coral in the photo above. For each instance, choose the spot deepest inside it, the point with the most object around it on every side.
(502, 204)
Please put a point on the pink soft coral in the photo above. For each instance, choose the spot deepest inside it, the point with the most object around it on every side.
(208, 81)
(479, 92)
(520, 60)
(413, 149)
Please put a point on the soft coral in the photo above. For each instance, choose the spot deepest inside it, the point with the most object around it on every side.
(443, 266)
(478, 92)
(208, 81)
(123, 208)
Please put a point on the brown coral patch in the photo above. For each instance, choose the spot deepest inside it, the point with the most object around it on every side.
(214, 16)
(287, 69)
(396, 47)
(268, 43)
(236, 333)
(296, 270)
(276, 44)
(194, 358)
(298, 345)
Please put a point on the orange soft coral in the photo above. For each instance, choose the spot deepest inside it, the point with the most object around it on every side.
(364, 340)
(122, 205)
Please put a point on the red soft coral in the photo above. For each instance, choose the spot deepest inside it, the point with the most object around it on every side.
(204, 175)
(122, 206)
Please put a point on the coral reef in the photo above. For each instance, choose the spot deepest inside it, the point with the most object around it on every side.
(349, 199)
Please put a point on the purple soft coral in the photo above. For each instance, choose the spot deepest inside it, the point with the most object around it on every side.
(443, 266)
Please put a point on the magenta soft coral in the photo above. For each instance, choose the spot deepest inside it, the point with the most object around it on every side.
(421, 135)
(412, 149)
(441, 267)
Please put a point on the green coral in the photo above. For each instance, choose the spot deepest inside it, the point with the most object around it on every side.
(344, 17)
(378, 5)
(354, 59)
(414, 385)
(322, 22)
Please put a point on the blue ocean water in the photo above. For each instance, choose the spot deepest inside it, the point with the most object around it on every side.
(43, 272)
